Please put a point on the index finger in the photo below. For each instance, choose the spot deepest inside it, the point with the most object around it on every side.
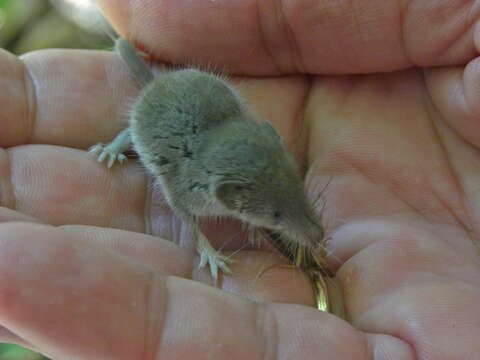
(77, 98)
(62, 97)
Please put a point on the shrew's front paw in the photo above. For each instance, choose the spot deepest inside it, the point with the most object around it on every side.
(107, 152)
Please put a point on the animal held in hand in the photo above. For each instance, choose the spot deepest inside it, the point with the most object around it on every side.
(212, 158)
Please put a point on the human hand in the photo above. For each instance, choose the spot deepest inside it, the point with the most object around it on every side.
(399, 151)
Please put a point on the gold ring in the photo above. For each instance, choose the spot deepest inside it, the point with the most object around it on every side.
(320, 289)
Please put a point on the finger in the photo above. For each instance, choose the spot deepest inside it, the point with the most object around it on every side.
(429, 278)
(65, 186)
(153, 252)
(44, 258)
(256, 275)
(16, 101)
(101, 305)
(62, 97)
(78, 98)
(455, 93)
(271, 37)
(8, 215)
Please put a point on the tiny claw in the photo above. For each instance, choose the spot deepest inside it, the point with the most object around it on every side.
(102, 156)
(203, 261)
(94, 150)
(215, 261)
(225, 267)
(111, 160)
(214, 271)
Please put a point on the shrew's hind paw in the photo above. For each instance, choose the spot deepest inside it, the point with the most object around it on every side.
(215, 260)
(212, 257)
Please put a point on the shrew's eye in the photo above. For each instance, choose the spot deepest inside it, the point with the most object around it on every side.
(277, 215)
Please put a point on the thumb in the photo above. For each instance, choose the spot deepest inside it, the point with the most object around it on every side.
(267, 37)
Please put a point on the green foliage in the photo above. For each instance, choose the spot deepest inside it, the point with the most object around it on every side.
(5, 3)
(27, 25)
(14, 352)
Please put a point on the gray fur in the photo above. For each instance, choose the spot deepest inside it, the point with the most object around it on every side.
(193, 132)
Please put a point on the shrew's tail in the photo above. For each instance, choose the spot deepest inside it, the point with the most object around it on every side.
(137, 67)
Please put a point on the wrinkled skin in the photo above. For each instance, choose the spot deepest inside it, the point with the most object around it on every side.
(400, 150)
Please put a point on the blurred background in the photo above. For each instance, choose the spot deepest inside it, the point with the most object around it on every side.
(27, 25)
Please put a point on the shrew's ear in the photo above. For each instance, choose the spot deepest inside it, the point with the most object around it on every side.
(233, 194)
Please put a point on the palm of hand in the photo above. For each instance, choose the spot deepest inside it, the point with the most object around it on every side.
(400, 157)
